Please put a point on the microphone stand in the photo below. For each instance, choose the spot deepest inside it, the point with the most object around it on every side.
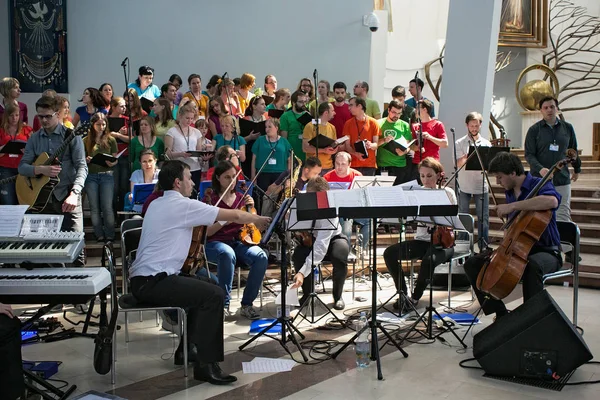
(315, 75)
(419, 123)
(256, 176)
(457, 186)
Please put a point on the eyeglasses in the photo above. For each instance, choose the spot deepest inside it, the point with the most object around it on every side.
(48, 116)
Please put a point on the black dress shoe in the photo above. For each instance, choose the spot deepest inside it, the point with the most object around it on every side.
(339, 304)
(192, 354)
(212, 373)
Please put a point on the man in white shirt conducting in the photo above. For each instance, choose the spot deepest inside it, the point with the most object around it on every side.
(156, 272)
(471, 183)
(326, 242)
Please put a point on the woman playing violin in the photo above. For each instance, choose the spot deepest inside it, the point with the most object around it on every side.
(545, 256)
(224, 246)
(431, 173)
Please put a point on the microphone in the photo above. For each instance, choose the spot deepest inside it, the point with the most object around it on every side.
(124, 61)
(452, 130)
(223, 76)
(315, 73)
(417, 75)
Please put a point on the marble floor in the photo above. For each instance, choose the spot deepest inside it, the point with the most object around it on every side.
(145, 367)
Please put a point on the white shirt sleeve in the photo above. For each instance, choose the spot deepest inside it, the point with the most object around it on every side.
(321, 245)
(199, 214)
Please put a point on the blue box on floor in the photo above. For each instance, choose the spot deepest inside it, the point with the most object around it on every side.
(460, 318)
(260, 324)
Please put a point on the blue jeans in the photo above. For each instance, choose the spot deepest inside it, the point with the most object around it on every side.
(225, 256)
(8, 195)
(365, 230)
(121, 179)
(100, 189)
(483, 224)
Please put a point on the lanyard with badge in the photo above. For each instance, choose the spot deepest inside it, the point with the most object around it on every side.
(553, 145)
(272, 159)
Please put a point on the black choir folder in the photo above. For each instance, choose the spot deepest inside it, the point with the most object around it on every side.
(115, 123)
(361, 147)
(401, 144)
(146, 104)
(275, 113)
(101, 158)
(246, 127)
(325, 141)
(13, 147)
(305, 118)
(268, 99)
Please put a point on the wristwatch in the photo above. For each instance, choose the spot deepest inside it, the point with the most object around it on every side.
(76, 191)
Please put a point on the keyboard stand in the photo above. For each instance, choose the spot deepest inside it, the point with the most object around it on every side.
(35, 384)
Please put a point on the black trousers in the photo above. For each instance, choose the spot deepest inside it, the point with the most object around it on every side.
(11, 370)
(540, 263)
(430, 256)
(203, 300)
(337, 253)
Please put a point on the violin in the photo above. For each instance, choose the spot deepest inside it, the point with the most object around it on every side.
(196, 258)
(249, 234)
(503, 270)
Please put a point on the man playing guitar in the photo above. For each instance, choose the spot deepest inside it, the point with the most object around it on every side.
(72, 171)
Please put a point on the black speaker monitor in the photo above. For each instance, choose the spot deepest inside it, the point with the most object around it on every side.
(536, 340)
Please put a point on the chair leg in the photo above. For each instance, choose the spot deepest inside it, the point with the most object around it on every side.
(126, 327)
(183, 319)
(449, 282)
(141, 317)
(575, 286)
(239, 276)
(113, 373)
(157, 321)
(260, 293)
(411, 279)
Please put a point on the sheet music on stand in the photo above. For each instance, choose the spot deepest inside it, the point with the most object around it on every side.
(323, 224)
(12, 220)
(360, 182)
(38, 224)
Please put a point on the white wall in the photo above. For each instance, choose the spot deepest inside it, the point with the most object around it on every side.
(287, 38)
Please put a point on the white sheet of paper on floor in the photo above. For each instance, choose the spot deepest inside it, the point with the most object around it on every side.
(263, 365)
(387, 316)
(291, 297)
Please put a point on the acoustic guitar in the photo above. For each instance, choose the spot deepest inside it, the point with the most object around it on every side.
(36, 191)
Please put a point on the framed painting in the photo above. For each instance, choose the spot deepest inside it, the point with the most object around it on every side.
(524, 23)
(39, 44)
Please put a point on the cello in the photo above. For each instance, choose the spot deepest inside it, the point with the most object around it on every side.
(503, 270)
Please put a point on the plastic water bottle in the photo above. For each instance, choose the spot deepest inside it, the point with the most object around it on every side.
(316, 272)
(362, 345)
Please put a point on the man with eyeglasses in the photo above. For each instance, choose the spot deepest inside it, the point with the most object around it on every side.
(270, 86)
(361, 90)
(72, 171)
(143, 84)
(290, 127)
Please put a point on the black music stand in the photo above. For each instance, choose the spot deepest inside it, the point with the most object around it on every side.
(303, 218)
(373, 213)
(484, 156)
(277, 227)
(439, 215)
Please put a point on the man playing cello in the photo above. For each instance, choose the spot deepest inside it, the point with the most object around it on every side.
(544, 256)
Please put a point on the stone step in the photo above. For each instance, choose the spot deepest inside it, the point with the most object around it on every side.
(576, 191)
(577, 215)
(577, 203)
(589, 245)
(587, 229)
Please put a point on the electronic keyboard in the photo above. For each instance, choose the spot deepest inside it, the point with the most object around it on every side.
(52, 247)
(51, 285)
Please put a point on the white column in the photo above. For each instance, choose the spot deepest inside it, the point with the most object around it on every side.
(468, 75)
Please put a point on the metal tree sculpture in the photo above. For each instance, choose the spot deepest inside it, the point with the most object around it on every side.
(575, 51)
(503, 60)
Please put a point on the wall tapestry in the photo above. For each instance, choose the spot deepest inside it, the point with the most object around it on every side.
(39, 44)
